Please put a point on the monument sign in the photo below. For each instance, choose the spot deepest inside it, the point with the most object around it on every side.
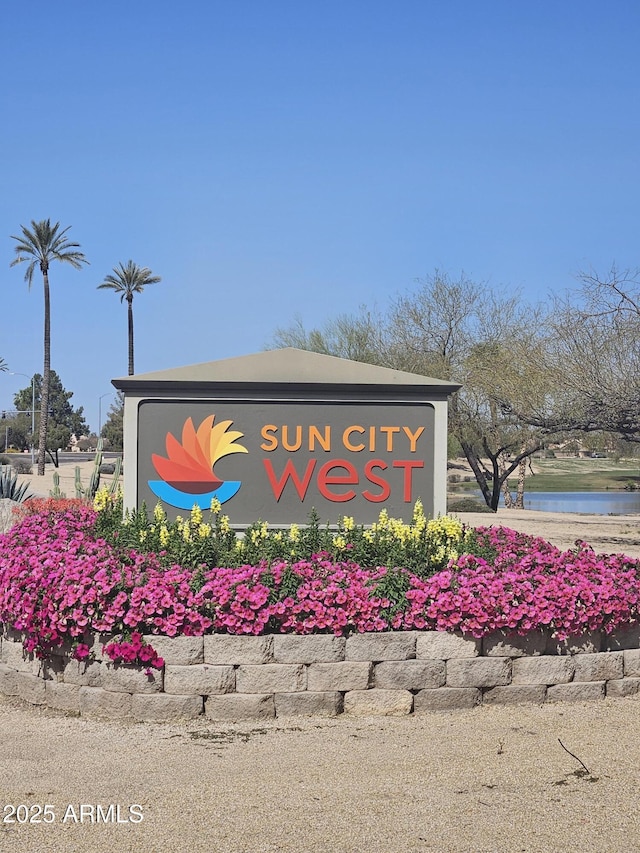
(276, 434)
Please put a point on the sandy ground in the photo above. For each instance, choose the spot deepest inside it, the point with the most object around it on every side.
(608, 534)
(491, 779)
(41, 486)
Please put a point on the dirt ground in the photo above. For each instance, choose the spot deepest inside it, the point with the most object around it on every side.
(491, 780)
(605, 533)
(42, 486)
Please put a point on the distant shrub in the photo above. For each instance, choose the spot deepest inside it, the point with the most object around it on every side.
(22, 465)
(467, 505)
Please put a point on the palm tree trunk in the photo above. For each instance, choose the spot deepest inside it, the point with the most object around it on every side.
(130, 317)
(46, 371)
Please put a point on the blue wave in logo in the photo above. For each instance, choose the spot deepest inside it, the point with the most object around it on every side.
(184, 500)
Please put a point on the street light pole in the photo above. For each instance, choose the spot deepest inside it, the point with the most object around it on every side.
(33, 410)
(107, 394)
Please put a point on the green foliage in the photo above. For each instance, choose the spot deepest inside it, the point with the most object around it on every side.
(359, 337)
(468, 504)
(11, 490)
(43, 243)
(112, 431)
(190, 542)
(63, 419)
(289, 585)
(424, 546)
(394, 585)
(128, 279)
(454, 448)
(473, 546)
(22, 465)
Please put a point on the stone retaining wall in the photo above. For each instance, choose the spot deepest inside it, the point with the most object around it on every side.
(233, 678)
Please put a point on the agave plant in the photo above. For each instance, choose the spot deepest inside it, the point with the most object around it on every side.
(11, 490)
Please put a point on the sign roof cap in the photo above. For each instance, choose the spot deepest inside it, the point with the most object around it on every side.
(282, 366)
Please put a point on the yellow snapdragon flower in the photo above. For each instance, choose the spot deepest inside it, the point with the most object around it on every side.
(418, 512)
(158, 512)
(204, 530)
(445, 527)
(101, 499)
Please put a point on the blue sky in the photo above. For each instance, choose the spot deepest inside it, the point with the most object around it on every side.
(274, 159)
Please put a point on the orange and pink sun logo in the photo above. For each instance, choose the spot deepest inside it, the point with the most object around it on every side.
(187, 472)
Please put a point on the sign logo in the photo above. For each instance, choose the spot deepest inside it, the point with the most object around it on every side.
(187, 473)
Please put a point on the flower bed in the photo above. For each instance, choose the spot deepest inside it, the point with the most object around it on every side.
(60, 581)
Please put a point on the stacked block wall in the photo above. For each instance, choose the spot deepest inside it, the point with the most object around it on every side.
(231, 678)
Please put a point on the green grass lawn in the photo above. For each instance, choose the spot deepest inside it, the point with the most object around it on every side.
(583, 475)
(578, 475)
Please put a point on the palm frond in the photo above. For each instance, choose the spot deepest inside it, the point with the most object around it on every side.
(43, 243)
(28, 276)
(128, 279)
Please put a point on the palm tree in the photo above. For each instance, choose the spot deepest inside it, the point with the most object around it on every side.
(126, 281)
(39, 246)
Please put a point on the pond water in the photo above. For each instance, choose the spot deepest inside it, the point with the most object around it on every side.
(599, 503)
